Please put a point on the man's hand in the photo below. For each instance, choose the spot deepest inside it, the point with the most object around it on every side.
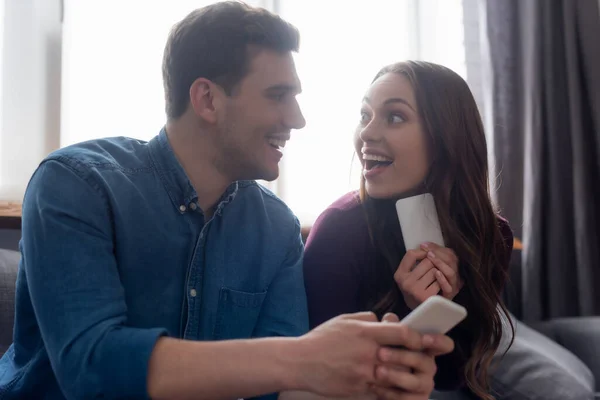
(339, 358)
(407, 374)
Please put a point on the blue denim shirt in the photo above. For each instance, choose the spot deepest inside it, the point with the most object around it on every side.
(116, 253)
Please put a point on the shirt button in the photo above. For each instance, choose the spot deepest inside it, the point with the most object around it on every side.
(193, 293)
(182, 208)
(193, 206)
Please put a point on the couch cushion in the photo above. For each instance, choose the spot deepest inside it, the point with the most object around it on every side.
(9, 264)
(536, 367)
(581, 335)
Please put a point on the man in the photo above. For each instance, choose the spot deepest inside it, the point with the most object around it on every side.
(147, 267)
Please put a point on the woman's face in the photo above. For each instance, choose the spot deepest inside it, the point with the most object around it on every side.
(390, 141)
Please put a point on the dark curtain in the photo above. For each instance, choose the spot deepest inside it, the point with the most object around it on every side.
(545, 68)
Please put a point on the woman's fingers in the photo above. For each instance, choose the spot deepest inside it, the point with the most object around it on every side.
(449, 273)
(445, 286)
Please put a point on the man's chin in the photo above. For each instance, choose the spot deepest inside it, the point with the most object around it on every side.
(268, 175)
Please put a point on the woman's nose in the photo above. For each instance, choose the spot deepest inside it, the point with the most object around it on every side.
(370, 132)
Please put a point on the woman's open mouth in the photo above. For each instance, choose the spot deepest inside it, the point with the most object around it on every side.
(375, 164)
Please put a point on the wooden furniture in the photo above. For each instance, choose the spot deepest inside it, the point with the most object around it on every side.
(10, 215)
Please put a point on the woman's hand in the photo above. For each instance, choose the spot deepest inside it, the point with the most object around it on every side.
(425, 272)
(445, 262)
(416, 279)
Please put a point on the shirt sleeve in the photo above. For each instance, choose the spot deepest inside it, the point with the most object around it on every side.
(73, 280)
(284, 312)
(331, 271)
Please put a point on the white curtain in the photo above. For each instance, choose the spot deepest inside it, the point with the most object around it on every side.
(30, 90)
(112, 85)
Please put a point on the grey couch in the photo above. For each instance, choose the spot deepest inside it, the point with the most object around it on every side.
(560, 364)
(552, 360)
(9, 261)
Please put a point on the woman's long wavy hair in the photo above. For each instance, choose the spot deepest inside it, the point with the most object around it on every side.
(458, 180)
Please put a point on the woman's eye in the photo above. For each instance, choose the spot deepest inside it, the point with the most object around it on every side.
(395, 119)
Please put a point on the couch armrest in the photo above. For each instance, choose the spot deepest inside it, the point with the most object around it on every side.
(580, 335)
(9, 265)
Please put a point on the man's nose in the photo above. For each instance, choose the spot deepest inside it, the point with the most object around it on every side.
(295, 118)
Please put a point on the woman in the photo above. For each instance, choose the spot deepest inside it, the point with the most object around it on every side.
(419, 132)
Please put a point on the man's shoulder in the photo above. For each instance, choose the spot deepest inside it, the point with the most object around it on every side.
(255, 192)
(256, 204)
(111, 153)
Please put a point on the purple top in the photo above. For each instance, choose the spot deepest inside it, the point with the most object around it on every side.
(336, 260)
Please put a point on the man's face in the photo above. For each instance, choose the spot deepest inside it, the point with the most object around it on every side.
(257, 119)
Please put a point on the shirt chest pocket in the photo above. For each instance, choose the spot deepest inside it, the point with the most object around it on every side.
(237, 313)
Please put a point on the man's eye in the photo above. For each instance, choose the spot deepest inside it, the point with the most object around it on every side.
(277, 96)
(364, 117)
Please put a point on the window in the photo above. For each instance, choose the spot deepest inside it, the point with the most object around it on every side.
(112, 84)
(1, 79)
(343, 46)
(112, 59)
(30, 90)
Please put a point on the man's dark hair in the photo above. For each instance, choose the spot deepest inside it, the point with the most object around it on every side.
(217, 42)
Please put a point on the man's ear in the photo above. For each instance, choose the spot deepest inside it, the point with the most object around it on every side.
(205, 99)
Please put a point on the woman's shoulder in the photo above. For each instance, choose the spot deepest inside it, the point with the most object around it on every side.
(350, 202)
(344, 220)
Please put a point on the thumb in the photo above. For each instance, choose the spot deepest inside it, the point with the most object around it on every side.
(367, 316)
(390, 317)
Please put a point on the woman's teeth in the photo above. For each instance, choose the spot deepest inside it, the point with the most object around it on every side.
(373, 157)
(277, 143)
(374, 161)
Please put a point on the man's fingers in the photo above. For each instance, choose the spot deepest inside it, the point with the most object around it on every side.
(394, 335)
(437, 345)
(406, 360)
(367, 316)
(385, 393)
(410, 382)
(390, 317)
(444, 284)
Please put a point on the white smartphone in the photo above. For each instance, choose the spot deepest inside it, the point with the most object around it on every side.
(419, 221)
(436, 315)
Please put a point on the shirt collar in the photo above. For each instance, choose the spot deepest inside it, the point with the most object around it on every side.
(176, 181)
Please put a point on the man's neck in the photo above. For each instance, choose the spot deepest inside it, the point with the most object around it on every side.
(196, 152)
